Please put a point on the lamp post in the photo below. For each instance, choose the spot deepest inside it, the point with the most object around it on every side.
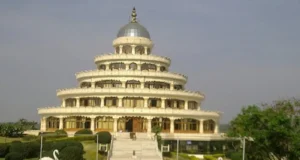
(244, 145)
(41, 149)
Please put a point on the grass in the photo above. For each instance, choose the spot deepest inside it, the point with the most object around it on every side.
(90, 150)
(8, 140)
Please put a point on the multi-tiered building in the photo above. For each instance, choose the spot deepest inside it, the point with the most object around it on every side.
(132, 90)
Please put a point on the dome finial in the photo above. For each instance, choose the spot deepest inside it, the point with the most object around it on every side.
(133, 15)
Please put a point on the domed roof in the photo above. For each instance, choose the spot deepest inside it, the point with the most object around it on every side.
(133, 28)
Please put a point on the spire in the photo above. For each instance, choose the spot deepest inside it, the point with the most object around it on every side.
(133, 16)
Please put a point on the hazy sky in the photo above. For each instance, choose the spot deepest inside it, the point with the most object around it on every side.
(236, 52)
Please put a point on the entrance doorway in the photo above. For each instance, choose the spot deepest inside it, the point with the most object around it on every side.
(87, 125)
(129, 125)
(133, 124)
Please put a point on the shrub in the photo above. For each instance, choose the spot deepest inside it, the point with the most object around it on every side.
(209, 157)
(83, 132)
(14, 156)
(236, 156)
(61, 132)
(31, 149)
(30, 138)
(4, 149)
(103, 137)
(71, 152)
(16, 146)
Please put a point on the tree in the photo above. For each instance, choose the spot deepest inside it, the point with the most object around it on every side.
(274, 127)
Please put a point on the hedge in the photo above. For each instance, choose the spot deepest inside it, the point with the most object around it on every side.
(83, 132)
(4, 149)
(14, 156)
(104, 137)
(71, 152)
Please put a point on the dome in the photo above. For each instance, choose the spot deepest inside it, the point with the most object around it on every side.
(133, 29)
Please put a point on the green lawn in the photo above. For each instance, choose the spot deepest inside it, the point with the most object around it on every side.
(8, 140)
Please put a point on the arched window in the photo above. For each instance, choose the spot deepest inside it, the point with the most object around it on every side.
(186, 125)
(118, 50)
(52, 123)
(163, 123)
(192, 105)
(85, 85)
(148, 67)
(139, 50)
(133, 66)
(102, 67)
(127, 49)
(133, 84)
(70, 102)
(162, 68)
(208, 126)
(104, 123)
(118, 66)
(157, 85)
(108, 84)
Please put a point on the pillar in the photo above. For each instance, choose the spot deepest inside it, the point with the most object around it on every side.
(146, 50)
(171, 125)
(61, 123)
(186, 104)
(142, 85)
(158, 68)
(121, 49)
(93, 124)
(172, 86)
(115, 124)
(216, 131)
(163, 102)
(107, 67)
(149, 127)
(43, 124)
(120, 101)
(139, 66)
(123, 84)
(63, 102)
(175, 104)
(146, 102)
(77, 102)
(201, 126)
(92, 84)
(133, 49)
(102, 101)
(127, 66)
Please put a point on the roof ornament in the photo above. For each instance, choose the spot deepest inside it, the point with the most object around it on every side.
(133, 16)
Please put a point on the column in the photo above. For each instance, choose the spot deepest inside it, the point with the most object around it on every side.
(43, 124)
(63, 102)
(146, 50)
(175, 104)
(93, 124)
(171, 125)
(115, 124)
(146, 102)
(201, 126)
(172, 86)
(133, 49)
(61, 123)
(186, 104)
(120, 101)
(149, 127)
(102, 101)
(142, 85)
(123, 84)
(127, 66)
(163, 102)
(139, 66)
(107, 67)
(158, 67)
(121, 49)
(216, 127)
(92, 84)
(77, 102)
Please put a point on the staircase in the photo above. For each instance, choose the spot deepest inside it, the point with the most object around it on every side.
(144, 147)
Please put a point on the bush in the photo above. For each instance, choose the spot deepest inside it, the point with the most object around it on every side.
(61, 132)
(4, 149)
(209, 157)
(83, 132)
(30, 138)
(31, 149)
(71, 152)
(14, 156)
(103, 137)
(17, 146)
(236, 156)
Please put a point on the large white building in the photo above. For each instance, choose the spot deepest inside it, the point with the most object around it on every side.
(132, 90)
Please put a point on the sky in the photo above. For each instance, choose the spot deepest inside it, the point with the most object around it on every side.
(237, 53)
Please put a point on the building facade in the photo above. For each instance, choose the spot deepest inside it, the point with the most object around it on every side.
(132, 90)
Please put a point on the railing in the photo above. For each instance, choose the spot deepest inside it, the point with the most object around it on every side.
(94, 73)
(109, 153)
(130, 91)
(132, 111)
(158, 152)
(151, 57)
